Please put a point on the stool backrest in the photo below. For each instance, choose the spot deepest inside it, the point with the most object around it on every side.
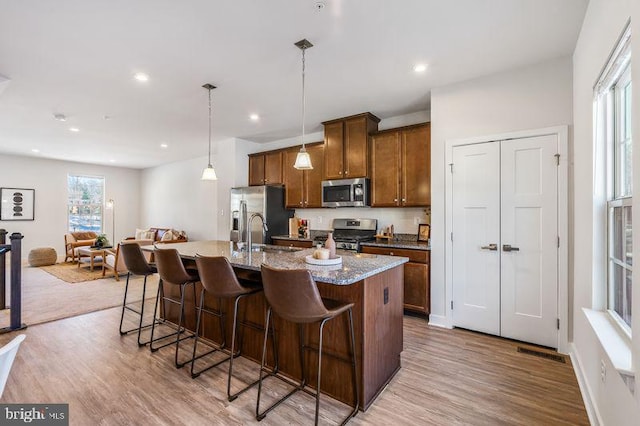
(7, 355)
(293, 294)
(217, 276)
(134, 258)
(170, 266)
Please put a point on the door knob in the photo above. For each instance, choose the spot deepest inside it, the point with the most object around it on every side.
(492, 247)
(507, 247)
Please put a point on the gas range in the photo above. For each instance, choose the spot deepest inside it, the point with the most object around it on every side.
(349, 233)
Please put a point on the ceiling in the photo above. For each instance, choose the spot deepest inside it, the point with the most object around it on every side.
(78, 58)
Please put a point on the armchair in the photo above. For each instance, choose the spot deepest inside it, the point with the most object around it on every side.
(114, 261)
(73, 240)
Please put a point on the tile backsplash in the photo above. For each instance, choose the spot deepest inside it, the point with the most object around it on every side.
(404, 220)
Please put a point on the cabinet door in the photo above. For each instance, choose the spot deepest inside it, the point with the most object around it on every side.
(333, 147)
(356, 148)
(256, 170)
(385, 169)
(293, 180)
(416, 288)
(416, 167)
(273, 168)
(313, 178)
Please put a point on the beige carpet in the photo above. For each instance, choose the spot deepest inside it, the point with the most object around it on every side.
(71, 273)
(47, 298)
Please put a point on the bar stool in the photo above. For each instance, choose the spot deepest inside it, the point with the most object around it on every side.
(172, 271)
(136, 264)
(293, 295)
(219, 280)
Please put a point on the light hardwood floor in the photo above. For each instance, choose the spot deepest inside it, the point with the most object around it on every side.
(449, 377)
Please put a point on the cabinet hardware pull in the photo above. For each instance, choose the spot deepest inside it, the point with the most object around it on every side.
(492, 247)
(390, 253)
(507, 247)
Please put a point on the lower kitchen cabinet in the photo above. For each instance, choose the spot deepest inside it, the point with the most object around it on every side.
(417, 288)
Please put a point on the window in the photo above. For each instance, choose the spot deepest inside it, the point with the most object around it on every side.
(613, 125)
(84, 206)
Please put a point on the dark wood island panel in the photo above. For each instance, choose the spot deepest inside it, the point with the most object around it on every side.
(378, 328)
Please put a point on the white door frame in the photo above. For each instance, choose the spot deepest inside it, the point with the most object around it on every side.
(562, 133)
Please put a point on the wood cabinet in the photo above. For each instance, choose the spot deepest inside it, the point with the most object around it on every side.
(303, 188)
(417, 288)
(265, 168)
(346, 151)
(293, 243)
(401, 167)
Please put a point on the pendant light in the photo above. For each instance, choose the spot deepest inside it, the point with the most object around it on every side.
(208, 173)
(303, 160)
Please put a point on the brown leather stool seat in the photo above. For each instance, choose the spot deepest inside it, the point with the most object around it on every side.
(173, 272)
(219, 281)
(293, 296)
(136, 264)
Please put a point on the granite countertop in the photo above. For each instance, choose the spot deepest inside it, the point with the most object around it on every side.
(398, 244)
(355, 266)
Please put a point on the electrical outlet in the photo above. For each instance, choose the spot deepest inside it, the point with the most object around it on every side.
(221, 212)
(319, 219)
(603, 371)
(416, 221)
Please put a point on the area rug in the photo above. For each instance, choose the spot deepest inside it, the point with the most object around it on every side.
(47, 298)
(71, 273)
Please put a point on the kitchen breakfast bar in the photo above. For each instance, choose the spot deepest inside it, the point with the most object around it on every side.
(373, 283)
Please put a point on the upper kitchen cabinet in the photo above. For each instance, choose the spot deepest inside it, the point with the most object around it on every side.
(303, 188)
(265, 168)
(401, 167)
(346, 146)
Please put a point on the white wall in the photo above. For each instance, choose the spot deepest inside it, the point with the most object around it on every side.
(49, 179)
(537, 96)
(603, 24)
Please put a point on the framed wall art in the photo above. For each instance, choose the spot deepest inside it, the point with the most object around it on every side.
(17, 203)
(423, 232)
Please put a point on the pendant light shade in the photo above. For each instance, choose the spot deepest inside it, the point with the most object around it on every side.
(303, 160)
(209, 173)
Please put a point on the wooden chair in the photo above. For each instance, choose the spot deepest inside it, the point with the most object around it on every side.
(73, 240)
(114, 262)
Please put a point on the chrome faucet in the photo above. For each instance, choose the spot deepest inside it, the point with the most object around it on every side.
(265, 228)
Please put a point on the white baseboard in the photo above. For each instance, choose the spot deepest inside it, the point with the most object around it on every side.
(585, 390)
(438, 321)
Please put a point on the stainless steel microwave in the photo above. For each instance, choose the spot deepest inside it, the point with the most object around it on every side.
(345, 193)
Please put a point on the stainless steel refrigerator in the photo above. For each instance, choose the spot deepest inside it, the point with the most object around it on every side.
(267, 200)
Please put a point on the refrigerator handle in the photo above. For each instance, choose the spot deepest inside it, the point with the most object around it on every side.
(243, 220)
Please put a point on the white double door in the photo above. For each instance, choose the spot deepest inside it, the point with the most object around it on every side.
(505, 238)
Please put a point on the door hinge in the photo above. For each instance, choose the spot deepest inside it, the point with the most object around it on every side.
(557, 159)
(558, 241)
(451, 167)
(558, 323)
(452, 237)
(452, 305)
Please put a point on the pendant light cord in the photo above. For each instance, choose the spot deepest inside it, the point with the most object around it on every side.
(303, 99)
(209, 128)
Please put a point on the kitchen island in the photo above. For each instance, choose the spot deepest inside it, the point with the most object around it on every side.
(373, 283)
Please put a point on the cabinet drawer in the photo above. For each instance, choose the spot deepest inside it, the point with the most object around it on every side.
(419, 256)
(293, 243)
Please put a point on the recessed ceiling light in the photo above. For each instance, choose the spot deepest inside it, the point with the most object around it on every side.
(112, 161)
(254, 117)
(140, 76)
(164, 145)
(35, 150)
(420, 68)
(74, 129)
(60, 117)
